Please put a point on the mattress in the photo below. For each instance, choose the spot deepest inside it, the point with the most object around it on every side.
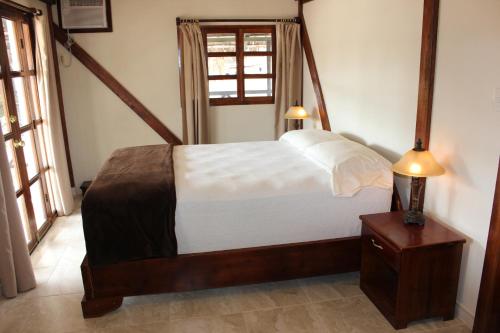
(240, 195)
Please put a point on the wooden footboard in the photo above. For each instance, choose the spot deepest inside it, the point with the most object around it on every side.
(105, 286)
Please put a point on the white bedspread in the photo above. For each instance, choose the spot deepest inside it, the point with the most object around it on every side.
(250, 194)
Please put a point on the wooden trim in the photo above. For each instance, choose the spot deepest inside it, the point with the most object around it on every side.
(116, 87)
(60, 96)
(306, 44)
(109, 18)
(426, 82)
(487, 315)
(106, 285)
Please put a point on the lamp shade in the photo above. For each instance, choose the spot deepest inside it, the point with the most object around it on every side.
(296, 112)
(418, 163)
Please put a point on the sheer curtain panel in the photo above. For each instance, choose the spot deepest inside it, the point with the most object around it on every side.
(16, 272)
(52, 127)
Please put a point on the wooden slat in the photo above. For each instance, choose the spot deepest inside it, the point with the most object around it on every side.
(313, 70)
(487, 312)
(426, 82)
(117, 88)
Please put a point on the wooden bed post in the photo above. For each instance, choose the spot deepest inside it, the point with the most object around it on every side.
(95, 307)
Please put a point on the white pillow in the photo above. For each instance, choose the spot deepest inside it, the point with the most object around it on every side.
(352, 166)
(302, 139)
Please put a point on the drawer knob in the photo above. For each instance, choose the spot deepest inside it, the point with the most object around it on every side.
(376, 245)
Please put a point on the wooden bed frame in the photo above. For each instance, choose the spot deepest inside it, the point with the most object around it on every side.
(106, 285)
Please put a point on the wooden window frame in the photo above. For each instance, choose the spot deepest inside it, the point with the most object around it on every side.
(35, 125)
(239, 31)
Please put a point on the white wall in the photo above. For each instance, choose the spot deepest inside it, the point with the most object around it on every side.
(141, 53)
(367, 53)
(368, 56)
(465, 135)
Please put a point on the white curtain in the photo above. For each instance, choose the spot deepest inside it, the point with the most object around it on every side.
(196, 100)
(52, 128)
(288, 72)
(16, 272)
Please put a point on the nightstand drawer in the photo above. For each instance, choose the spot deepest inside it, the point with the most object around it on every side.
(375, 244)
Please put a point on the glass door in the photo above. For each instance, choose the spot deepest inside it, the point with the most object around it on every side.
(22, 125)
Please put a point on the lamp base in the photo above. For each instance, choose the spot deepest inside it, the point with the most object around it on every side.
(414, 216)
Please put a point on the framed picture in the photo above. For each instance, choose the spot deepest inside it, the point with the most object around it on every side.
(85, 15)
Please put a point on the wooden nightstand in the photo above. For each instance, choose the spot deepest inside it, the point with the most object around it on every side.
(410, 272)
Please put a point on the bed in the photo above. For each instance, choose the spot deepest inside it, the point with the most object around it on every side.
(244, 213)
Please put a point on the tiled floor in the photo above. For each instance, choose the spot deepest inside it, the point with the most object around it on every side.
(326, 304)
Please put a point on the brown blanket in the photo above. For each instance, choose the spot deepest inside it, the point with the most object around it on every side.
(129, 210)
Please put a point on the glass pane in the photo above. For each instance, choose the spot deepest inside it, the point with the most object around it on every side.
(258, 65)
(24, 217)
(30, 154)
(13, 164)
(223, 88)
(21, 102)
(40, 143)
(11, 41)
(4, 115)
(222, 66)
(258, 87)
(224, 42)
(27, 44)
(258, 42)
(34, 96)
(38, 201)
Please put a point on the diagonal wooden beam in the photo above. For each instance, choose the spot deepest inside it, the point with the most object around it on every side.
(313, 70)
(117, 88)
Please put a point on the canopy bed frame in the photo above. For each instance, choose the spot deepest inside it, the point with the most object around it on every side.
(106, 285)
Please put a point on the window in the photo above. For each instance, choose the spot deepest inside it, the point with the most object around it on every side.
(241, 64)
(22, 124)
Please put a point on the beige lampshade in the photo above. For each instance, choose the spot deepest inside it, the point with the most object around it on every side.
(418, 164)
(296, 112)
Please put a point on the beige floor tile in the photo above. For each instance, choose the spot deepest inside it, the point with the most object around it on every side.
(55, 314)
(291, 319)
(455, 329)
(354, 314)
(285, 293)
(201, 304)
(233, 323)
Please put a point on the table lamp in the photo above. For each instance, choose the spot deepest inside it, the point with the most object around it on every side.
(417, 163)
(297, 112)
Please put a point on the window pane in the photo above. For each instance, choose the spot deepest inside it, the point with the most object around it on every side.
(258, 42)
(24, 217)
(39, 130)
(21, 102)
(222, 66)
(38, 201)
(4, 115)
(29, 154)
(258, 65)
(34, 96)
(223, 88)
(11, 41)
(27, 43)
(224, 42)
(258, 87)
(13, 164)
